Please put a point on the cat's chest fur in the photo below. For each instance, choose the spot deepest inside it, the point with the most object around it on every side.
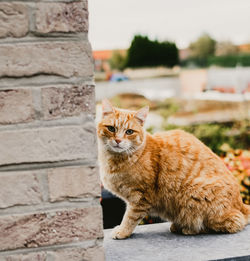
(114, 182)
(120, 180)
(119, 185)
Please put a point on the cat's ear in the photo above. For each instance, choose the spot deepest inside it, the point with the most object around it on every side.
(142, 114)
(107, 108)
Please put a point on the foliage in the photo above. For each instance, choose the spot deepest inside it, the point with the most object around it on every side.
(205, 51)
(117, 61)
(166, 107)
(225, 48)
(230, 60)
(203, 47)
(150, 220)
(236, 134)
(144, 52)
(238, 162)
(201, 50)
(194, 62)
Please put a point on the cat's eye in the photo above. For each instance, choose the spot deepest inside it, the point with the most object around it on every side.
(111, 128)
(129, 132)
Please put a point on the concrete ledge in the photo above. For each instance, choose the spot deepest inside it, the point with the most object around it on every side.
(157, 243)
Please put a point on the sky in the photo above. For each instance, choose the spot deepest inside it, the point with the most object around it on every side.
(113, 23)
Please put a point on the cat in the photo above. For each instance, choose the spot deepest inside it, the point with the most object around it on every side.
(170, 174)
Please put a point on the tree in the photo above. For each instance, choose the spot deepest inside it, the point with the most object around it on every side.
(203, 47)
(144, 52)
(118, 60)
(226, 48)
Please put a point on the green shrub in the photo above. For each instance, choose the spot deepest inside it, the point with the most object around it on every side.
(223, 61)
(144, 52)
(194, 62)
(230, 60)
(117, 60)
(214, 135)
(167, 107)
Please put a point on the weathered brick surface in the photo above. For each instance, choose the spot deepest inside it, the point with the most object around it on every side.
(73, 182)
(67, 101)
(50, 45)
(41, 256)
(19, 188)
(14, 20)
(44, 229)
(61, 17)
(48, 144)
(78, 254)
(66, 59)
(16, 106)
(95, 253)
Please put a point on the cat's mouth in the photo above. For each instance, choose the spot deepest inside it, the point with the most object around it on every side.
(117, 148)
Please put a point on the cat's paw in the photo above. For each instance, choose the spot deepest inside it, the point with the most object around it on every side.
(187, 231)
(175, 229)
(118, 233)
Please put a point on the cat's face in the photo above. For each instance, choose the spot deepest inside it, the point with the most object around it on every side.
(121, 131)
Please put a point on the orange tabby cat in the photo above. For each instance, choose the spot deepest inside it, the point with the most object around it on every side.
(170, 174)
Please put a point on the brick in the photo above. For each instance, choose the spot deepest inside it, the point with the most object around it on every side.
(95, 253)
(45, 229)
(16, 106)
(68, 59)
(13, 19)
(19, 188)
(61, 17)
(48, 144)
(78, 254)
(41, 256)
(73, 182)
(68, 101)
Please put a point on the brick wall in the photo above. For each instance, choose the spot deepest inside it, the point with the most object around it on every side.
(49, 185)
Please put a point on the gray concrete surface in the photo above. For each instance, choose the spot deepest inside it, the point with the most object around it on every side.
(156, 243)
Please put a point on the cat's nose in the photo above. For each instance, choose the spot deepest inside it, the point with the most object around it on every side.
(117, 141)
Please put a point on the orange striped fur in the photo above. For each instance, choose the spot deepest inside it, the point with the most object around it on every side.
(169, 174)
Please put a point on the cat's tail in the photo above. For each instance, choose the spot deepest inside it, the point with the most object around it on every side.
(246, 211)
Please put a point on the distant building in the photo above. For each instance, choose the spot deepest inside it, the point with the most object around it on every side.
(102, 58)
(244, 48)
(184, 54)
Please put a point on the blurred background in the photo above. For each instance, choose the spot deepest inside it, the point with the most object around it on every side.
(189, 61)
